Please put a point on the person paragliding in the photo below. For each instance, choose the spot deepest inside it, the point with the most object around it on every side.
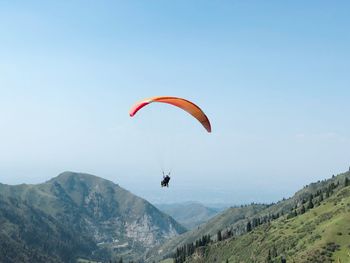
(165, 181)
(181, 103)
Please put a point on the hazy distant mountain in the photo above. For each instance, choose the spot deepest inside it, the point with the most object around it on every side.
(78, 216)
(235, 220)
(189, 214)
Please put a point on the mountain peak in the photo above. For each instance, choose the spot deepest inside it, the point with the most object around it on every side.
(110, 218)
(78, 175)
(70, 179)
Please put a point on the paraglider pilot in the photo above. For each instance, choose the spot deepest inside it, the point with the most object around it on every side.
(165, 181)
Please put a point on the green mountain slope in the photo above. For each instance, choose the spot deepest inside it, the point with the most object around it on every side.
(322, 234)
(104, 219)
(231, 216)
(230, 225)
(189, 214)
(29, 235)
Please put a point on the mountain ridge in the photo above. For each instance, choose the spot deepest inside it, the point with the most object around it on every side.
(234, 220)
(318, 234)
(116, 222)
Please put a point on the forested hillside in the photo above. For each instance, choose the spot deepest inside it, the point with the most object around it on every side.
(309, 226)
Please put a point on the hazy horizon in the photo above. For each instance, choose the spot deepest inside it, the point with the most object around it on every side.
(271, 76)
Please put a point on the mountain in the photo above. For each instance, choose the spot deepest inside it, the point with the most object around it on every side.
(229, 217)
(189, 214)
(321, 234)
(29, 235)
(75, 216)
(233, 222)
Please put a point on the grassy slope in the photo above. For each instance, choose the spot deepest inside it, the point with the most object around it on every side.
(306, 238)
(29, 235)
(229, 217)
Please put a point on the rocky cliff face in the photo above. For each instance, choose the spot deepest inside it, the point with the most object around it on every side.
(118, 222)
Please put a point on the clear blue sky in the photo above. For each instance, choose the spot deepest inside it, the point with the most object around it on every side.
(273, 77)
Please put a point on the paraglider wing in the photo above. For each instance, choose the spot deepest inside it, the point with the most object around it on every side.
(186, 105)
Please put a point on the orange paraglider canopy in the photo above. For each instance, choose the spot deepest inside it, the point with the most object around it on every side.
(186, 105)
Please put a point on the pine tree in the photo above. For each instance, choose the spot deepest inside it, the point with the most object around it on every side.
(347, 182)
(327, 193)
(274, 252)
(310, 204)
(321, 197)
(219, 235)
(249, 226)
(268, 260)
(302, 210)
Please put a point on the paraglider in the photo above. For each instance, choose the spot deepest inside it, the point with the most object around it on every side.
(184, 104)
(165, 181)
(181, 103)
